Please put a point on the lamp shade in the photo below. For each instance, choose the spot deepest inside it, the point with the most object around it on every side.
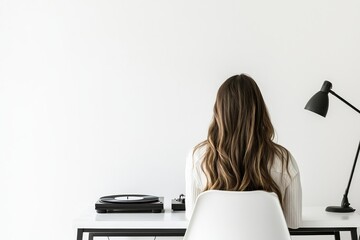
(319, 103)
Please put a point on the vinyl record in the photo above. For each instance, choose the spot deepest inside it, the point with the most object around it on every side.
(129, 198)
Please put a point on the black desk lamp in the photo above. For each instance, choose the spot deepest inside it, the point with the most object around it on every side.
(319, 104)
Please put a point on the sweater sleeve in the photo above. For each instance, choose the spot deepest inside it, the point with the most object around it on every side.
(192, 190)
(293, 203)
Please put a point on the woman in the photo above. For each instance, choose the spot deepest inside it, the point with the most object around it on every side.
(239, 153)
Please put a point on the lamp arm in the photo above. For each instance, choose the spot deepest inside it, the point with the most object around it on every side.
(345, 201)
(349, 104)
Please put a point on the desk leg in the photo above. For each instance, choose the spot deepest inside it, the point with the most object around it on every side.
(337, 235)
(91, 236)
(354, 235)
(80, 233)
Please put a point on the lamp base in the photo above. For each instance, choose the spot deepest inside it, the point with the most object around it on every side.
(339, 209)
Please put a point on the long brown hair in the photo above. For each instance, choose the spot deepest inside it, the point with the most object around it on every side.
(239, 147)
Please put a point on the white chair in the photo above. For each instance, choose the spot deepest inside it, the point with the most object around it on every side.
(227, 215)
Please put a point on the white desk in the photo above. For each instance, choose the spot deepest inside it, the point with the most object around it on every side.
(316, 221)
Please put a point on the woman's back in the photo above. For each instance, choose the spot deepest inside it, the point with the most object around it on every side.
(288, 182)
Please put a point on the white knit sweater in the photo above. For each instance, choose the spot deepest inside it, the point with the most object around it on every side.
(289, 185)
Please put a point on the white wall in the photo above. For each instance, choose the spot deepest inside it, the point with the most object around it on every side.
(108, 97)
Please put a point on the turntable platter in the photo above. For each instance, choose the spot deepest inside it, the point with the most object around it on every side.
(129, 198)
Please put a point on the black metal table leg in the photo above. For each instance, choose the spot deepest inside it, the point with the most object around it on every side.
(337, 235)
(354, 235)
(80, 233)
(91, 236)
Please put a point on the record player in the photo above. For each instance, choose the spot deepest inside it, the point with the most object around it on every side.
(130, 203)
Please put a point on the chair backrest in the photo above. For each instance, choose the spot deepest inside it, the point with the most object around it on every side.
(250, 215)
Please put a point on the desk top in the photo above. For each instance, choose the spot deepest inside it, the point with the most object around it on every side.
(318, 217)
(312, 217)
(166, 219)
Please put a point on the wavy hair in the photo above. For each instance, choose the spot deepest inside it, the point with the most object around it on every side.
(239, 147)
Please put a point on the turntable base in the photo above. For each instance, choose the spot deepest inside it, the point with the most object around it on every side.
(130, 203)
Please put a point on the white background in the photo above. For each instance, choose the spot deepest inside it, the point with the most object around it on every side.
(108, 97)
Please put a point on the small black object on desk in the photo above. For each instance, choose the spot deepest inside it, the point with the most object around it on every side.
(178, 204)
